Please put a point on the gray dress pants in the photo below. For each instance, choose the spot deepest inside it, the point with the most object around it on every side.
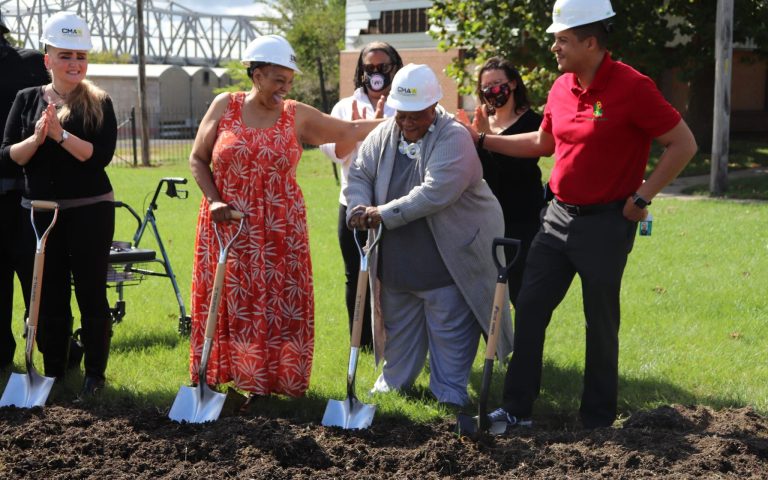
(437, 321)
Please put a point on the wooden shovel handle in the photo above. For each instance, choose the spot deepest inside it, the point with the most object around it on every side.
(357, 317)
(44, 205)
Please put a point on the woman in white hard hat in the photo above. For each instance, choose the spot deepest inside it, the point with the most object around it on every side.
(376, 66)
(64, 134)
(505, 110)
(244, 158)
(420, 176)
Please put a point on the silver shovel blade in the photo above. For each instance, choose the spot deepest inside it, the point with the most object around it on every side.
(26, 390)
(349, 413)
(197, 405)
(469, 426)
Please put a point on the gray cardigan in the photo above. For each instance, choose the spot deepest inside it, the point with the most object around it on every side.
(459, 207)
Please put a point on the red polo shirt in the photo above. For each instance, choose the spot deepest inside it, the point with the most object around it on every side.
(603, 134)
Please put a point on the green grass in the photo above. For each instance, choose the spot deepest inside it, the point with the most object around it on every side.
(744, 152)
(694, 321)
(754, 188)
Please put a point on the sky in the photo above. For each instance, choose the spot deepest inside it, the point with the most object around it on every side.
(228, 7)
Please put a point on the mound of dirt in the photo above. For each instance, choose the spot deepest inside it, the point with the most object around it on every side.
(63, 442)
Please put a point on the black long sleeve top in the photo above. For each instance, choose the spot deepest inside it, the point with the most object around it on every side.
(22, 68)
(516, 182)
(52, 173)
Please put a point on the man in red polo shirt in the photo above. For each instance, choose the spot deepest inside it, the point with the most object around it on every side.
(599, 121)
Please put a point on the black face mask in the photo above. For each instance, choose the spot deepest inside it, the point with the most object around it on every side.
(498, 95)
(377, 81)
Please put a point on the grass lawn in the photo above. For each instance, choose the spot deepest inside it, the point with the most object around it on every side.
(694, 316)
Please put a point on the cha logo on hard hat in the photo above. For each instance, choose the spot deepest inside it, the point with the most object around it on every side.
(597, 110)
(72, 32)
(407, 91)
(293, 58)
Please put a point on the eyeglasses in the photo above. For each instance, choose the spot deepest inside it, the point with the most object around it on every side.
(384, 68)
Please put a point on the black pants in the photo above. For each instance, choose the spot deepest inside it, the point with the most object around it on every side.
(11, 215)
(351, 268)
(525, 232)
(595, 247)
(77, 251)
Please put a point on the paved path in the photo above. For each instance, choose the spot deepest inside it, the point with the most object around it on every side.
(679, 184)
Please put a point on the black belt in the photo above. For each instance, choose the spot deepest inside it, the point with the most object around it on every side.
(581, 210)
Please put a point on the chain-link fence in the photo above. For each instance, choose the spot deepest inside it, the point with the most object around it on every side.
(170, 138)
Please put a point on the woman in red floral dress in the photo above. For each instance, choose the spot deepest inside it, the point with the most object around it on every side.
(244, 158)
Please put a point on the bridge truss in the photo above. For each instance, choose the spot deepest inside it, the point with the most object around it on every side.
(173, 33)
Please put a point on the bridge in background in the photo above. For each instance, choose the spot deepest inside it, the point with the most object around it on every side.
(173, 34)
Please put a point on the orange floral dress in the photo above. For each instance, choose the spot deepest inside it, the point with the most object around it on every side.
(264, 338)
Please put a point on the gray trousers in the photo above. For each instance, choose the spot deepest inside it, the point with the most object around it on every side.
(437, 321)
(594, 246)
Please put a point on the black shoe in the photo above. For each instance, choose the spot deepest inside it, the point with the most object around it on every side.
(92, 386)
(501, 418)
(250, 400)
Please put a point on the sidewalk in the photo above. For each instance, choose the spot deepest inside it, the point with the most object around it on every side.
(681, 183)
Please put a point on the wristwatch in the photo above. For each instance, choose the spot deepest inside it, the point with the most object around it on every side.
(64, 136)
(640, 201)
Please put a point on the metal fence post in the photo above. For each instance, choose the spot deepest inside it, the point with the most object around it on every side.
(133, 136)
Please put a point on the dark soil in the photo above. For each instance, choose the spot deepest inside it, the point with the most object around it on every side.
(63, 442)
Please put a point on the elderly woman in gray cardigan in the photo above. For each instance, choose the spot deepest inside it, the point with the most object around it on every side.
(418, 173)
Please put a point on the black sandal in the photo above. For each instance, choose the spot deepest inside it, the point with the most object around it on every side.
(250, 399)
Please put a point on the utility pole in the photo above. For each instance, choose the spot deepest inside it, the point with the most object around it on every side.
(718, 181)
(142, 84)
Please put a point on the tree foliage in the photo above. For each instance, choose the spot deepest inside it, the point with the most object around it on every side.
(650, 35)
(315, 30)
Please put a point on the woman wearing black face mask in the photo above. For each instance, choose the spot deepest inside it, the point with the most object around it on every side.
(376, 66)
(504, 110)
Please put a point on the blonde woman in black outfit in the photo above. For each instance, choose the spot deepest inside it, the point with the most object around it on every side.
(64, 136)
(505, 110)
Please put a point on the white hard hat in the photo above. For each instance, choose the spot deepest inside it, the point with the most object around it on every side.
(414, 88)
(573, 13)
(271, 49)
(66, 30)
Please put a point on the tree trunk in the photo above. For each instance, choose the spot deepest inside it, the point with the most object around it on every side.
(701, 105)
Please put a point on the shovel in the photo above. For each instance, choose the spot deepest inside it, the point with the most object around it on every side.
(352, 413)
(200, 403)
(32, 389)
(467, 425)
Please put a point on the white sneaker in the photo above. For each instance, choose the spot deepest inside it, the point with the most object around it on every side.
(380, 386)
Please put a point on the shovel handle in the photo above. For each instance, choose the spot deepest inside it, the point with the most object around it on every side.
(357, 317)
(44, 205)
(218, 280)
(500, 294)
(213, 308)
(503, 270)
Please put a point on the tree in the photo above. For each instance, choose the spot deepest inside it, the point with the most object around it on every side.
(108, 56)
(650, 35)
(315, 30)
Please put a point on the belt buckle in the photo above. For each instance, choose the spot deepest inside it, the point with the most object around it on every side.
(575, 210)
(572, 210)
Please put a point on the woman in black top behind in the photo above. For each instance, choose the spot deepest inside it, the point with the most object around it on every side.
(64, 135)
(504, 109)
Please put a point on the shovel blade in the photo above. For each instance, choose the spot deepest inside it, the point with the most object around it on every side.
(348, 414)
(197, 404)
(469, 426)
(26, 390)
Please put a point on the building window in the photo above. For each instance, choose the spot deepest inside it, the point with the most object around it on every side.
(412, 20)
(206, 78)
